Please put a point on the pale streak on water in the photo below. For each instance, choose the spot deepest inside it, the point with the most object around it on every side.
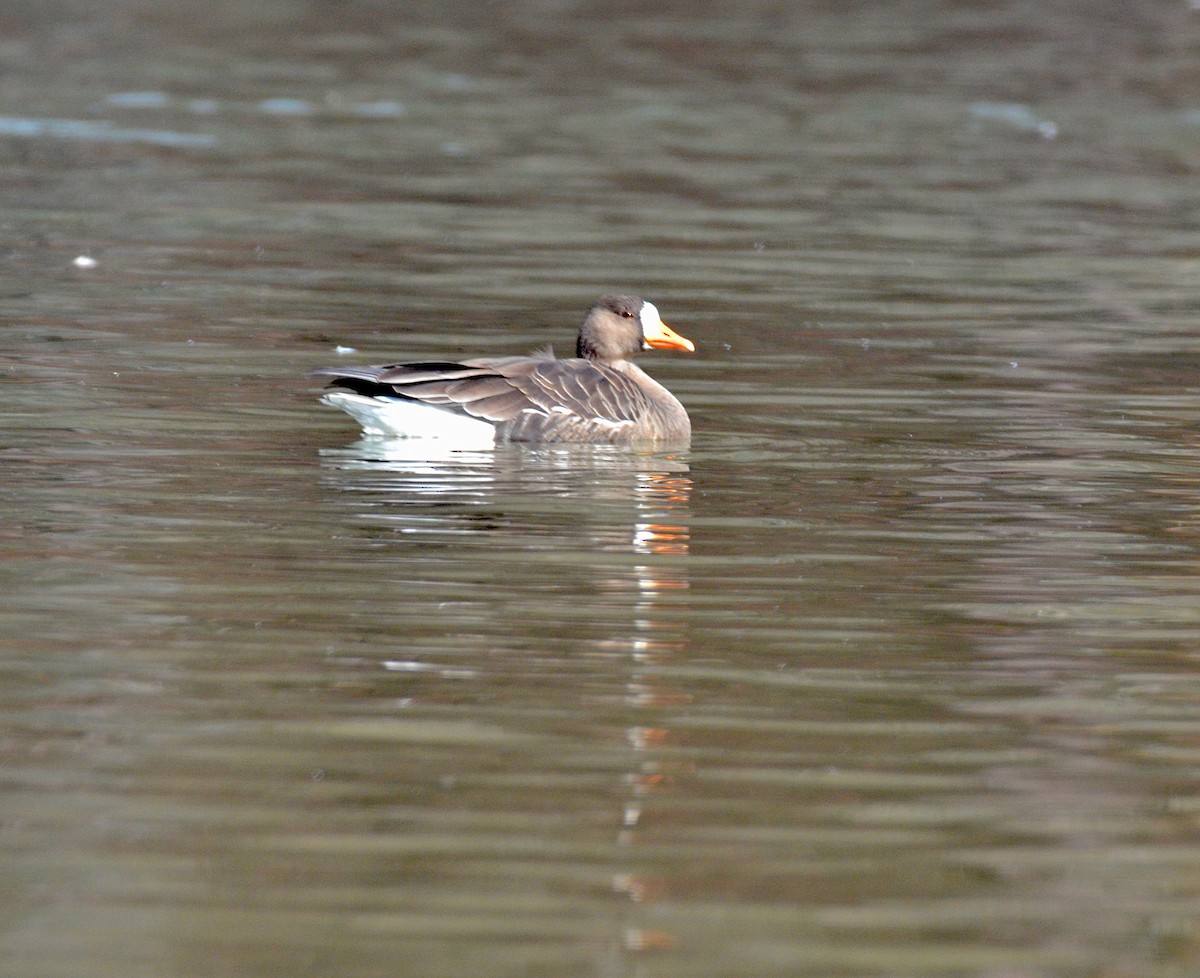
(892, 673)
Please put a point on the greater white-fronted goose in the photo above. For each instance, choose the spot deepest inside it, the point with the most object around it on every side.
(599, 397)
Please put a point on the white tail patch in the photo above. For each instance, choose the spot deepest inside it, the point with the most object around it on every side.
(384, 418)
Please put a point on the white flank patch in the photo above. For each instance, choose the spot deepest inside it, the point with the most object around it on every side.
(614, 425)
(411, 419)
(604, 424)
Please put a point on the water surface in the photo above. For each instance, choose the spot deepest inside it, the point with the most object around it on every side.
(891, 673)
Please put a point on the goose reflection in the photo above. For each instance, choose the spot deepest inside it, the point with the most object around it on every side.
(572, 558)
(610, 497)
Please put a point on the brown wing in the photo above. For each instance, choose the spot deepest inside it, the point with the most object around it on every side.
(477, 390)
(574, 400)
(529, 399)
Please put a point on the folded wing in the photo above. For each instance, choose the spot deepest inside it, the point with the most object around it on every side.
(527, 398)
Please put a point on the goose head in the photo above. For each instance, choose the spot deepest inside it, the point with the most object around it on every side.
(619, 326)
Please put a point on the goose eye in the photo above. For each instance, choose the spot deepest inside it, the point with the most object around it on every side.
(626, 313)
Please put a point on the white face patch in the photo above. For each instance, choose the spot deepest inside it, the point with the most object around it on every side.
(651, 323)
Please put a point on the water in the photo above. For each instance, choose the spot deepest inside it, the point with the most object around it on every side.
(891, 674)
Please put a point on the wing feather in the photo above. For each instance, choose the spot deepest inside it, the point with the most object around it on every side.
(590, 391)
(529, 399)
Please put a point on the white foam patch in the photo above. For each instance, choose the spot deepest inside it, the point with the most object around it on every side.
(410, 419)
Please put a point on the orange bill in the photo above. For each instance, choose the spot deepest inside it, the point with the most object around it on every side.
(660, 336)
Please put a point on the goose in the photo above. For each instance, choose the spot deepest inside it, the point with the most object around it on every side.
(597, 397)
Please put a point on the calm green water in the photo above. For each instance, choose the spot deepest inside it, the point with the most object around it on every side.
(893, 673)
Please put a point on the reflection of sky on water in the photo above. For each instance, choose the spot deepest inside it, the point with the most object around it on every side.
(106, 131)
(101, 130)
